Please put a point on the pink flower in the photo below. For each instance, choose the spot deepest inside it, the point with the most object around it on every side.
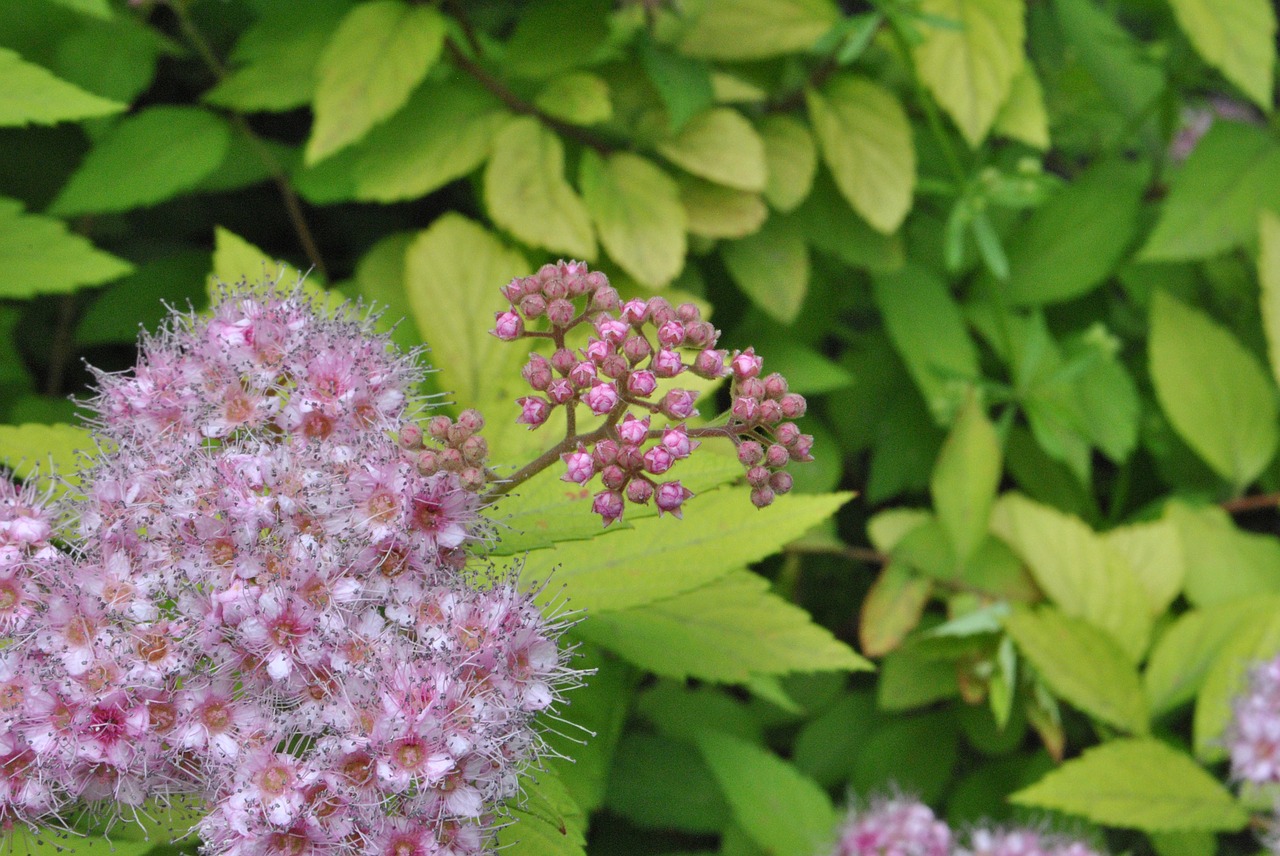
(670, 496)
(609, 505)
(601, 398)
(580, 467)
(508, 326)
(678, 404)
(533, 411)
(746, 364)
(633, 430)
(900, 826)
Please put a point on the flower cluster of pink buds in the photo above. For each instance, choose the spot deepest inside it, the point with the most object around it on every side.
(903, 826)
(268, 612)
(617, 378)
(1254, 736)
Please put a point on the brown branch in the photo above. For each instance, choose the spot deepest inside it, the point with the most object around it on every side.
(1242, 504)
(866, 555)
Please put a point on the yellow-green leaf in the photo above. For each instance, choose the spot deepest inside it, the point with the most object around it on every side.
(1237, 37)
(721, 146)
(576, 97)
(716, 211)
(636, 209)
(1154, 552)
(772, 267)
(756, 29)
(1256, 640)
(39, 256)
(1214, 392)
(29, 94)
(546, 821)
(892, 609)
(1269, 280)
(52, 452)
(866, 141)
(791, 158)
(526, 192)
(1023, 116)
(970, 69)
(964, 480)
(378, 55)
(1223, 562)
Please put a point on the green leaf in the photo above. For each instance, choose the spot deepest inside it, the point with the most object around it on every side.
(378, 55)
(236, 259)
(1076, 569)
(1254, 641)
(683, 83)
(659, 558)
(1023, 116)
(1269, 281)
(1185, 652)
(453, 271)
(830, 225)
(600, 708)
(1214, 392)
(443, 133)
(929, 333)
(1137, 784)
(39, 256)
(547, 822)
(757, 29)
(726, 631)
(1071, 244)
(965, 478)
(139, 299)
(970, 69)
(825, 745)
(772, 267)
(1237, 37)
(791, 159)
(1154, 553)
(50, 451)
(636, 209)
(716, 211)
(379, 280)
(1223, 562)
(537, 47)
(866, 141)
(93, 8)
(146, 158)
(1214, 201)
(782, 809)
(113, 57)
(526, 193)
(275, 59)
(658, 783)
(29, 94)
(910, 679)
(892, 609)
(576, 97)
(1123, 67)
(916, 754)
(721, 146)
(1082, 664)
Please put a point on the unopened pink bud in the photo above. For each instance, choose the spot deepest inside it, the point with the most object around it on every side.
(636, 348)
(633, 430)
(537, 372)
(595, 280)
(775, 386)
(598, 349)
(411, 436)
(533, 305)
(758, 476)
(475, 450)
(555, 289)
(750, 453)
(611, 329)
(641, 383)
(560, 313)
(709, 363)
(746, 409)
(613, 366)
(450, 459)
(746, 364)
(630, 458)
(770, 412)
(609, 505)
(793, 406)
(438, 427)
(605, 453)
(788, 433)
(800, 449)
(601, 398)
(660, 311)
(677, 442)
(752, 387)
(563, 360)
(671, 334)
(614, 477)
(605, 298)
(472, 479)
(658, 460)
(688, 312)
(776, 456)
(670, 496)
(428, 462)
(781, 482)
(700, 334)
(533, 411)
(579, 466)
(546, 273)
(678, 404)
(667, 363)
(762, 497)
(513, 290)
(508, 326)
(457, 434)
(635, 311)
(582, 375)
(560, 391)
(640, 491)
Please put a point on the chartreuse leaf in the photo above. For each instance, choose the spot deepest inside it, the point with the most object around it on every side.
(1269, 280)
(965, 478)
(1072, 243)
(577, 97)
(1185, 651)
(1082, 664)
(1214, 392)
(865, 139)
(783, 811)
(1214, 201)
(929, 333)
(30, 95)
(1023, 116)
(547, 821)
(716, 211)
(39, 256)
(970, 68)
(51, 451)
(526, 193)
(656, 559)
(892, 609)
(1237, 37)
(636, 209)
(1154, 553)
(721, 146)
(378, 55)
(772, 267)
(1122, 67)
(442, 134)
(537, 47)
(1256, 640)
(1076, 569)
(791, 158)
(452, 274)
(757, 29)
(726, 631)
(146, 158)
(275, 59)
(1222, 561)
(1137, 784)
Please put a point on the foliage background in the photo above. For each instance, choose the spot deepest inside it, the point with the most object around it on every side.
(1021, 256)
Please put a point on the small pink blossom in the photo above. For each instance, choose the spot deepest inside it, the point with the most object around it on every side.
(670, 496)
(601, 398)
(508, 326)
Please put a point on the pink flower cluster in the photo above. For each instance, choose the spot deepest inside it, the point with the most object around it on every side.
(618, 378)
(903, 826)
(269, 610)
(1254, 736)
